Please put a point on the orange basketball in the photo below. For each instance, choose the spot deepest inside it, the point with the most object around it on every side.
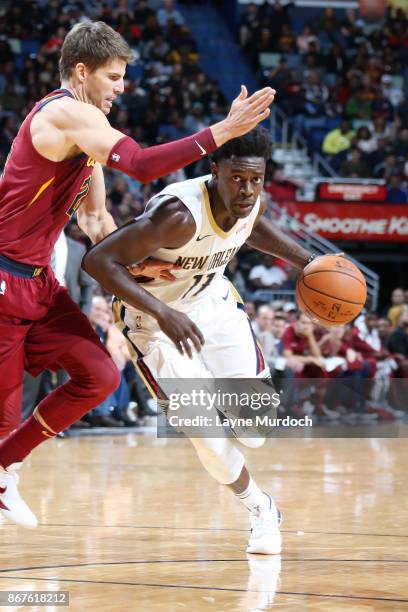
(331, 289)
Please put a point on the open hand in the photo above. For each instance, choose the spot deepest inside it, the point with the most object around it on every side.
(246, 112)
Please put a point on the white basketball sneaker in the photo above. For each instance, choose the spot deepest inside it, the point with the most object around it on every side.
(12, 505)
(265, 537)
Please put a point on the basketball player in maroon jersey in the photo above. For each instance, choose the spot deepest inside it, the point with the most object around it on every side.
(54, 170)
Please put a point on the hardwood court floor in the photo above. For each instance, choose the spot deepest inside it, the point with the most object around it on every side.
(134, 523)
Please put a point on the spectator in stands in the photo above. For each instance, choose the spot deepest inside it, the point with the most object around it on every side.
(263, 43)
(8, 131)
(277, 307)
(276, 16)
(381, 107)
(196, 118)
(300, 344)
(284, 369)
(400, 144)
(79, 284)
(168, 15)
(213, 98)
(358, 107)
(304, 39)
(287, 40)
(119, 401)
(387, 169)
(340, 93)
(290, 309)
(278, 329)
(354, 166)
(365, 141)
(292, 92)
(384, 326)
(197, 87)
(281, 188)
(175, 129)
(278, 75)
(397, 342)
(368, 330)
(379, 154)
(338, 140)
(268, 275)
(250, 23)
(141, 12)
(156, 49)
(397, 306)
(395, 194)
(262, 327)
(101, 319)
(381, 129)
(250, 310)
(353, 347)
(336, 61)
(390, 92)
(329, 22)
(356, 362)
(316, 95)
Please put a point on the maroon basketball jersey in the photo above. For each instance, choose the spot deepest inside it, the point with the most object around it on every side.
(38, 196)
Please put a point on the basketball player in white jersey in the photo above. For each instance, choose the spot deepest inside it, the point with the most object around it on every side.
(194, 326)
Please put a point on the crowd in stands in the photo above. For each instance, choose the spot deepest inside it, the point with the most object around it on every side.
(342, 81)
(168, 96)
(352, 373)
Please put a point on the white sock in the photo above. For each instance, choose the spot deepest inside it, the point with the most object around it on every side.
(254, 499)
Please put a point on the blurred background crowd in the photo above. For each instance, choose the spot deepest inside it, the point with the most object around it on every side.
(342, 84)
(343, 81)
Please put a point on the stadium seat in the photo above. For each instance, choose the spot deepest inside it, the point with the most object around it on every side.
(316, 137)
(269, 60)
(29, 47)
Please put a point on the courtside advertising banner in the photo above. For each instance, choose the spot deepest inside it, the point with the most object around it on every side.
(351, 221)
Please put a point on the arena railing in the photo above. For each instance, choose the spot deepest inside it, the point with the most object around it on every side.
(284, 136)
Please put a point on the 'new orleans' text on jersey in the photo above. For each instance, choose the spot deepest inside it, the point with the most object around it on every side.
(202, 259)
(197, 263)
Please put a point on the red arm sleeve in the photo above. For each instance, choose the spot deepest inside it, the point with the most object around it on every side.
(148, 164)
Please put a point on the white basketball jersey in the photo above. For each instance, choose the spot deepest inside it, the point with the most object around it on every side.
(203, 259)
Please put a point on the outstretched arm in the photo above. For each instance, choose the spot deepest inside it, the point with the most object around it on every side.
(87, 127)
(269, 239)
